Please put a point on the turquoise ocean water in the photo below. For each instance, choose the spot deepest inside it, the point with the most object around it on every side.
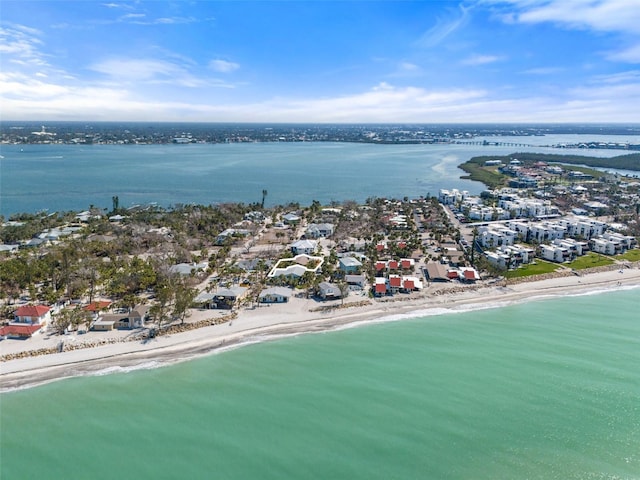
(548, 389)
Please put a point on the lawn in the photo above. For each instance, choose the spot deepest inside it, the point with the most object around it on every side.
(537, 268)
(630, 255)
(590, 260)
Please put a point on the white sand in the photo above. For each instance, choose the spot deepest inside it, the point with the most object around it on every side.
(266, 321)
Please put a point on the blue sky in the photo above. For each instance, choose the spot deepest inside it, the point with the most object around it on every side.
(324, 61)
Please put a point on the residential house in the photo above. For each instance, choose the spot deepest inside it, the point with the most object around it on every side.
(275, 295)
(395, 283)
(12, 248)
(436, 272)
(320, 230)
(350, 264)
(135, 318)
(356, 280)
(380, 286)
(469, 275)
(329, 291)
(103, 325)
(407, 263)
(291, 218)
(33, 315)
(229, 234)
(227, 298)
(29, 319)
(307, 247)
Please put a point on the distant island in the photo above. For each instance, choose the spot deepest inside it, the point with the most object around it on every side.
(97, 133)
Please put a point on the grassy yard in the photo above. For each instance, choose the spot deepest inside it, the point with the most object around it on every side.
(537, 268)
(590, 260)
(630, 255)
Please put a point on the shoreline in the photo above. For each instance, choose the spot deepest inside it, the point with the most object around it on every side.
(296, 318)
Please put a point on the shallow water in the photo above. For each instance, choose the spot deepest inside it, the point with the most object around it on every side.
(544, 389)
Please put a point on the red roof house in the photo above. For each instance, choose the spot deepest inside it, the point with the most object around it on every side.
(33, 314)
(393, 264)
(395, 281)
(19, 331)
(409, 285)
(470, 275)
(381, 288)
(407, 263)
(380, 266)
(95, 306)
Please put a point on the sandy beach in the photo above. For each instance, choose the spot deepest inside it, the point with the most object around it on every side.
(259, 324)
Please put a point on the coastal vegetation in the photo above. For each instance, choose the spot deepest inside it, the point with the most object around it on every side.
(621, 162)
(478, 172)
(490, 174)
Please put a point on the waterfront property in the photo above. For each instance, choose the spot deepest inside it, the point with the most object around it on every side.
(329, 291)
(275, 295)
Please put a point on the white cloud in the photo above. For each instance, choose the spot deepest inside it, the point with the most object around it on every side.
(444, 27)
(599, 15)
(477, 60)
(22, 44)
(118, 5)
(627, 55)
(611, 98)
(620, 77)
(409, 67)
(223, 66)
(543, 71)
(144, 70)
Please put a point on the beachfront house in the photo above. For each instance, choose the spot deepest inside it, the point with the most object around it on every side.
(33, 315)
(103, 325)
(275, 295)
(227, 298)
(356, 280)
(469, 275)
(380, 286)
(436, 272)
(329, 291)
(29, 319)
(135, 318)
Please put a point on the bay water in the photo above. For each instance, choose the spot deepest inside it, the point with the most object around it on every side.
(546, 389)
(56, 177)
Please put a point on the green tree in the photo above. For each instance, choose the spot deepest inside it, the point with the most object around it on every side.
(183, 298)
(160, 310)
